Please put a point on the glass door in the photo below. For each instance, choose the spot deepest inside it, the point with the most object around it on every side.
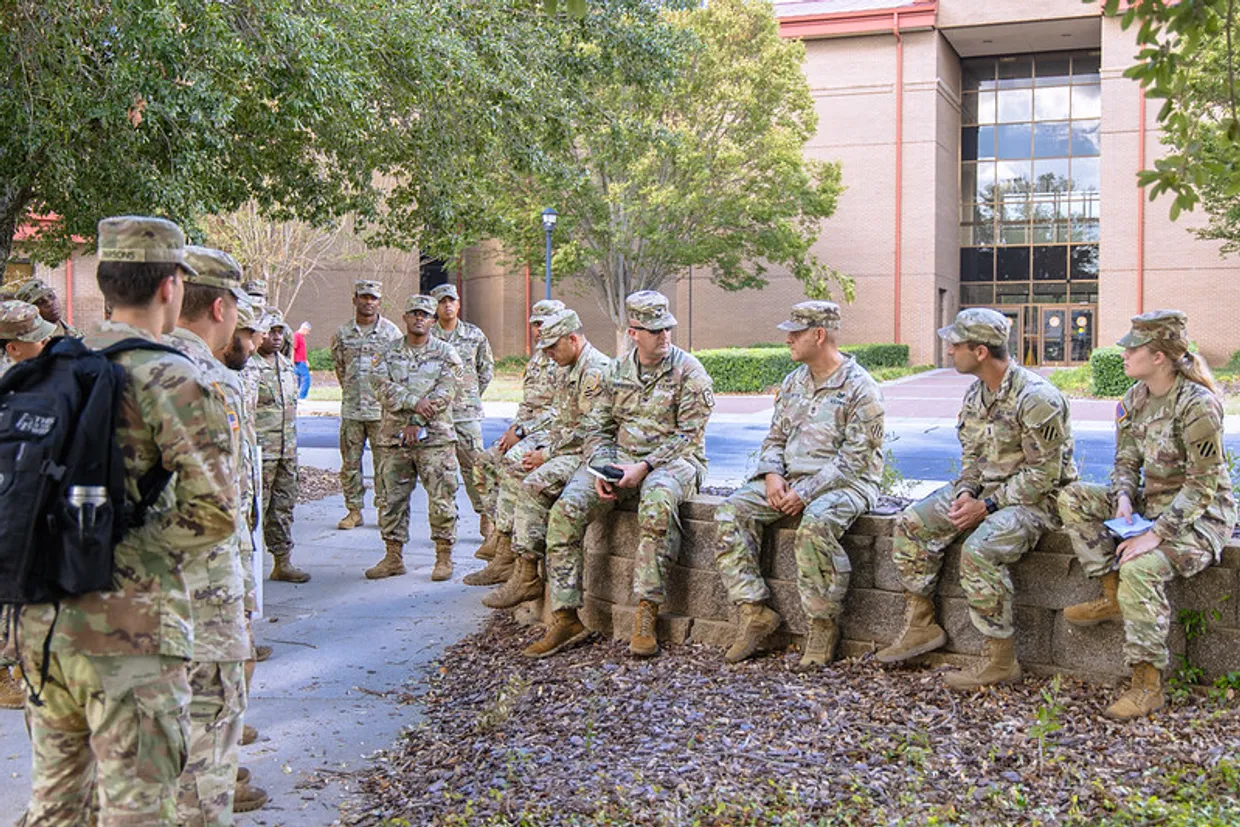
(1014, 333)
(1054, 336)
(1082, 333)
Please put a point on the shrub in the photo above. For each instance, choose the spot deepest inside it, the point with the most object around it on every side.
(1233, 364)
(756, 369)
(1072, 381)
(320, 358)
(1106, 369)
(878, 356)
(511, 364)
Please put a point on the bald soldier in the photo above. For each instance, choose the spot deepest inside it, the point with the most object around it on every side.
(357, 350)
(42, 296)
(649, 425)
(1016, 453)
(822, 460)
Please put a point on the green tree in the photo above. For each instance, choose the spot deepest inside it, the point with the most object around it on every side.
(687, 149)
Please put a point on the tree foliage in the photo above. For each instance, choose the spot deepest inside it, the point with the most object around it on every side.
(684, 146)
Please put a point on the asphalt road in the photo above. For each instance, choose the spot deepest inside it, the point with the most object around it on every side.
(920, 453)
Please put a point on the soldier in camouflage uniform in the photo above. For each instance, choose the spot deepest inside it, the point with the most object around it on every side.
(479, 368)
(1016, 453)
(42, 296)
(275, 420)
(545, 471)
(416, 387)
(217, 582)
(498, 471)
(115, 693)
(823, 460)
(1170, 467)
(357, 351)
(23, 334)
(649, 422)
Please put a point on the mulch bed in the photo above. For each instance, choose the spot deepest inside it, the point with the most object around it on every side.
(315, 483)
(594, 737)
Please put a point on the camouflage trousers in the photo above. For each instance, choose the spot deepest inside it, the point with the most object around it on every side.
(536, 493)
(112, 727)
(207, 785)
(403, 466)
(658, 515)
(1142, 591)
(923, 532)
(279, 499)
(469, 449)
(354, 434)
(823, 567)
(494, 469)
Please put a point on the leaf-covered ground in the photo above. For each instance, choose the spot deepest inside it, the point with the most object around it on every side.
(594, 737)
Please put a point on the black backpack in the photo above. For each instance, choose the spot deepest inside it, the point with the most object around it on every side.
(63, 505)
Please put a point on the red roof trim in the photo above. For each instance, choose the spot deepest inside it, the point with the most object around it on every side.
(921, 15)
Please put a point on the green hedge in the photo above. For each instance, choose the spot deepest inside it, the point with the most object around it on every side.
(757, 369)
(320, 358)
(1106, 370)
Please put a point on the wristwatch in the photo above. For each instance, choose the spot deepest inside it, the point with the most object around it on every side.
(991, 505)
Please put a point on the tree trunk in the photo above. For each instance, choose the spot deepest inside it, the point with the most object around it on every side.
(13, 202)
(622, 341)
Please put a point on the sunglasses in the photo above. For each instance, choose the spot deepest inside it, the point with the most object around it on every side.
(648, 330)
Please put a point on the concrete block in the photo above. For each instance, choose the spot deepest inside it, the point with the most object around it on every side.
(1055, 542)
(700, 507)
(863, 565)
(1215, 589)
(1096, 648)
(713, 632)
(886, 575)
(609, 577)
(949, 574)
(532, 612)
(596, 615)
(779, 559)
(669, 628)
(873, 525)
(1051, 581)
(1231, 557)
(871, 614)
(786, 599)
(1035, 629)
(1218, 652)
(697, 545)
(696, 593)
(623, 531)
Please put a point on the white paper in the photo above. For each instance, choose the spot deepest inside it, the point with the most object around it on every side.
(1120, 527)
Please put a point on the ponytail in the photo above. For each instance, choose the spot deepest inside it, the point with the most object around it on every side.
(1194, 368)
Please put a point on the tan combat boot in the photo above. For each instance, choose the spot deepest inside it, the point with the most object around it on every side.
(1097, 611)
(261, 653)
(485, 525)
(498, 568)
(820, 643)
(391, 565)
(565, 630)
(522, 585)
(644, 644)
(351, 520)
(285, 571)
(248, 735)
(757, 623)
(486, 551)
(243, 775)
(12, 688)
(247, 799)
(999, 666)
(921, 633)
(1144, 697)
(443, 561)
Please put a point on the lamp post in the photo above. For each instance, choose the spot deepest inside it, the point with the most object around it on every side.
(549, 217)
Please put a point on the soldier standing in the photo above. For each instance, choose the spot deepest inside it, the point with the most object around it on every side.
(650, 424)
(275, 420)
(23, 335)
(42, 296)
(357, 349)
(823, 460)
(479, 367)
(1016, 453)
(546, 470)
(499, 469)
(1170, 467)
(217, 582)
(416, 387)
(115, 702)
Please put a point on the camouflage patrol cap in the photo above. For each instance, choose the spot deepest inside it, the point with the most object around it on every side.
(21, 321)
(367, 287)
(648, 309)
(445, 290)
(249, 315)
(977, 324)
(545, 309)
(215, 268)
(256, 288)
(812, 314)
(1171, 325)
(421, 302)
(557, 326)
(33, 290)
(140, 238)
(275, 319)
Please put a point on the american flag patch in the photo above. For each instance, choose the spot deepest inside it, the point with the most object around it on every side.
(233, 421)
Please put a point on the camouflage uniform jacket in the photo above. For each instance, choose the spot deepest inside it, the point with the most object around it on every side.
(249, 473)
(828, 436)
(1016, 444)
(1178, 442)
(356, 355)
(575, 396)
(431, 371)
(217, 582)
(275, 410)
(658, 419)
(479, 367)
(5, 363)
(65, 329)
(538, 390)
(169, 413)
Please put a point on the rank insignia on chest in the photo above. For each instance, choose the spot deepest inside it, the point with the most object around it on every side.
(1121, 412)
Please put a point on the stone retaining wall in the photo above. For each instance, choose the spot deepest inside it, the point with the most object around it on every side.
(1046, 580)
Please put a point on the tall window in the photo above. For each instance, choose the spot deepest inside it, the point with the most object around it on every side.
(1029, 179)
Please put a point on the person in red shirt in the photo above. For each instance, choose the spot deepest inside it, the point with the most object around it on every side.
(301, 362)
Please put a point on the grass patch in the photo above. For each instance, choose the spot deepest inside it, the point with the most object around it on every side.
(505, 387)
(1072, 381)
(887, 374)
